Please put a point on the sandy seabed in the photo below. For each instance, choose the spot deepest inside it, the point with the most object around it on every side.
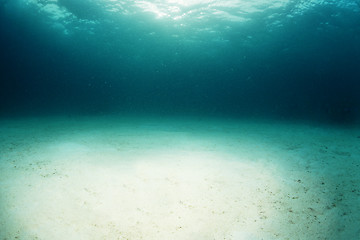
(177, 178)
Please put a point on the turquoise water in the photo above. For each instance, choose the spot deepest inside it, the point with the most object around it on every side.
(284, 58)
(166, 119)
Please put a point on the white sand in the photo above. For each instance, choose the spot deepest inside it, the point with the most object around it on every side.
(127, 178)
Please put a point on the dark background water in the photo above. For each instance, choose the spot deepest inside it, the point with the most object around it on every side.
(303, 66)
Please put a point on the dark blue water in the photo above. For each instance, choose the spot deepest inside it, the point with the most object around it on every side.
(282, 58)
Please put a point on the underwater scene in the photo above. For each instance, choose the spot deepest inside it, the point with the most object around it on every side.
(180, 119)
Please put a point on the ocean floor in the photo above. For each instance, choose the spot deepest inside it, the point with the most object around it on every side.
(177, 178)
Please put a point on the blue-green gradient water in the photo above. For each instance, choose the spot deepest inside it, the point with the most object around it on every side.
(266, 58)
